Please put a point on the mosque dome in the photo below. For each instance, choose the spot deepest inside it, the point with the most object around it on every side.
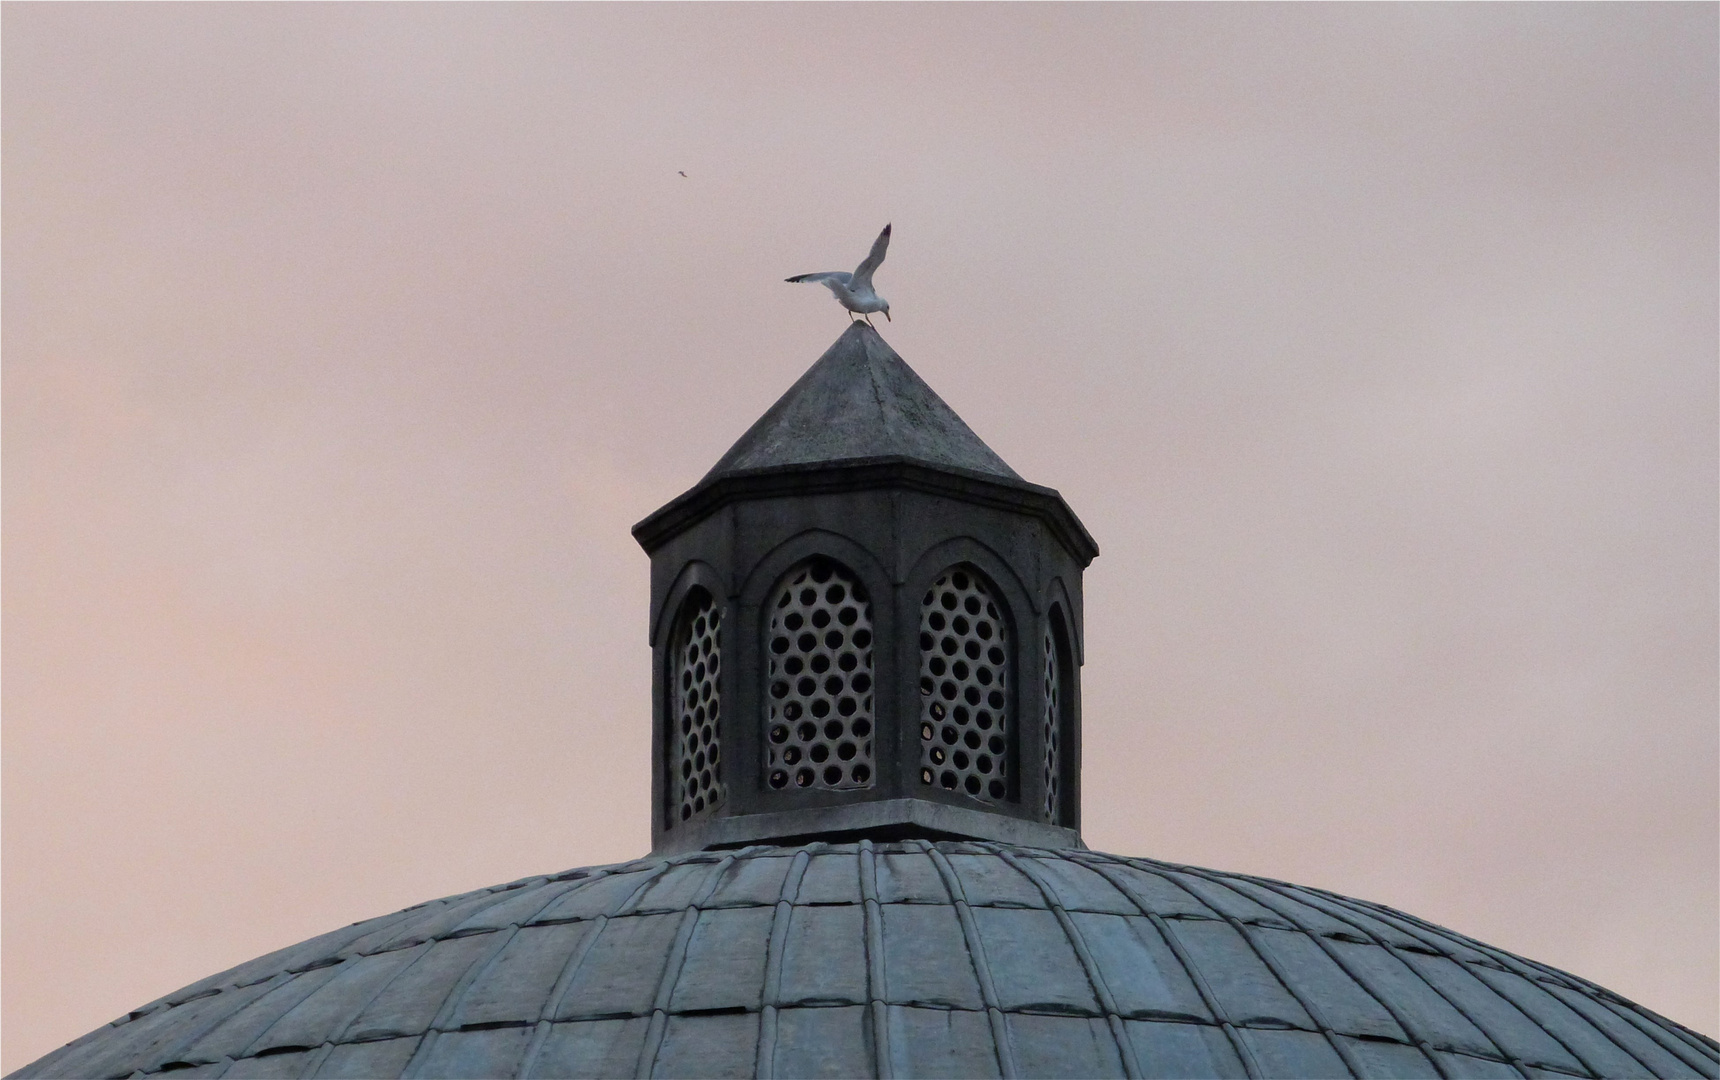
(866, 636)
(901, 958)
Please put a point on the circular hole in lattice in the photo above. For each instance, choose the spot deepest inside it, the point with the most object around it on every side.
(964, 682)
(819, 679)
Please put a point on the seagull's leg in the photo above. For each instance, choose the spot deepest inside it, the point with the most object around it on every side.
(869, 320)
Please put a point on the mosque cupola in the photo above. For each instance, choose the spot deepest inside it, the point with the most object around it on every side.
(866, 633)
(862, 620)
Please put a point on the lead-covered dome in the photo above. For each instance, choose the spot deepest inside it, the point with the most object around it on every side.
(891, 959)
(866, 633)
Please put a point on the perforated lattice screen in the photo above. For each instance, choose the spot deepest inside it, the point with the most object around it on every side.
(964, 688)
(694, 756)
(819, 680)
(1053, 714)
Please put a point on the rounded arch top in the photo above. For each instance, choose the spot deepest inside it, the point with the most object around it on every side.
(1057, 600)
(997, 570)
(695, 575)
(765, 573)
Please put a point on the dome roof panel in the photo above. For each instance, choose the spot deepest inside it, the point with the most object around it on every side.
(823, 958)
(907, 957)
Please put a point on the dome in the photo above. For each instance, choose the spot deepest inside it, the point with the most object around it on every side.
(866, 636)
(909, 958)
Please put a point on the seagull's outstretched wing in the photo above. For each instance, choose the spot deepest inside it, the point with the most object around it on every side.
(863, 273)
(832, 279)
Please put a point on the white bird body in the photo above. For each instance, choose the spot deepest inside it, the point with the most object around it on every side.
(854, 291)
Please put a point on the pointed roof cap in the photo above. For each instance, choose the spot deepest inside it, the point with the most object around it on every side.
(857, 419)
(860, 400)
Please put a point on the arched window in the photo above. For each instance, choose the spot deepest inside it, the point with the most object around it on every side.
(695, 765)
(1053, 719)
(818, 680)
(964, 687)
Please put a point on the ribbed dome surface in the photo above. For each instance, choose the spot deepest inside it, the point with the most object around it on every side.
(904, 959)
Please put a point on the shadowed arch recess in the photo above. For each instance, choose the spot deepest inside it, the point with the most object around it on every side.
(695, 728)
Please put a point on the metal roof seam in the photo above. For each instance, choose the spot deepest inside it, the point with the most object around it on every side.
(448, 1012)
(388, 996)
(570, 967)
(1421, 931)
(764, 1054)
(1590, 1000)
(1313, 1009)
(1101, 990)
(876, 986)
(1422, 1041)
(1550, 977)
(218, 1017)
(976, 956)
(1102, 865)
(318, 1057)
(256, 1045)
(671, 974)
(1629, 1011)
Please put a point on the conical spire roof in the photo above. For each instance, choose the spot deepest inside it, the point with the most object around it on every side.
(858, 418)
(860, 400)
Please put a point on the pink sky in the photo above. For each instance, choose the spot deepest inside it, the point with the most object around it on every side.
(1376, 345)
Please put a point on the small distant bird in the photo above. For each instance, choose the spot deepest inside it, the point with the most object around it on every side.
(854, 291)
(683, 174)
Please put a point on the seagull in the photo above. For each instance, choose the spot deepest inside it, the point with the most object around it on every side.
(681, 171)
(854, 291)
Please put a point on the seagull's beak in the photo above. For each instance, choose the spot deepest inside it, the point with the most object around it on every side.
(887, 315)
